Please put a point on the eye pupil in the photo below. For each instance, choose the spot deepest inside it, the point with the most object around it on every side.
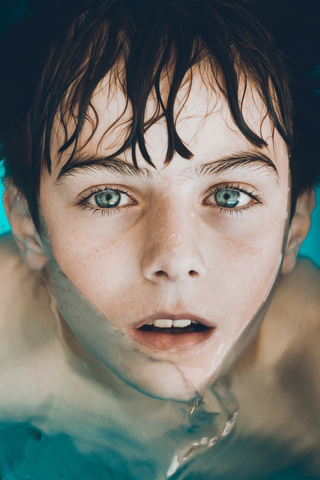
(227, 198)
(108, 199)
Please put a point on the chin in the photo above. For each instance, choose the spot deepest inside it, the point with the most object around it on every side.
(161, 379)
(172, 379)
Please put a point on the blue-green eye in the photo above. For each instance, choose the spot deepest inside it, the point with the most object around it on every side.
(227, 198)
(107, 199)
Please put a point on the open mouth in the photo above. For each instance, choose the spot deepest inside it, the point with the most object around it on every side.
(172, 333)
(173, 326)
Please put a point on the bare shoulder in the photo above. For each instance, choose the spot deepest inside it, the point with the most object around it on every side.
(12, 269)
(8, 250)
(299, 368)
(24, 299)
(296, 304)
(289, 338)
(294, 316)
(278, 377)
(304, 283)
(296, 307)
(31, 355)
(14, 278)
(287, 347)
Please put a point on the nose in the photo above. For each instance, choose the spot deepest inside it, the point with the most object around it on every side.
(173, 250)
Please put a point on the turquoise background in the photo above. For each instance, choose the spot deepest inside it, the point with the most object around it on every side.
(310, 247)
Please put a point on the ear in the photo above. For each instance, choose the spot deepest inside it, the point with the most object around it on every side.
(299, 228)
(23, 229)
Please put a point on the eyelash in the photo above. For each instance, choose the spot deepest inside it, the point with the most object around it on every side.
(102, 211)
(212, 191)
(240, 188)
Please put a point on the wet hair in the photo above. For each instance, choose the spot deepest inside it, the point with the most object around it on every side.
(53, 60)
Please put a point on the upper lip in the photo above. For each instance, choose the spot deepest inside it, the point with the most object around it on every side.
(173, 316)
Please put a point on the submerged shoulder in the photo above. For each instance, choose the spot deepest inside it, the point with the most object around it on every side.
(24, 296)
(287, 346)
(290, 333)
(32, 356)
(15, 276)
(296, 308)
(299, 369)
(304, 278)
(299, 294)
(280, 371)
(292, 323)
(8, 250)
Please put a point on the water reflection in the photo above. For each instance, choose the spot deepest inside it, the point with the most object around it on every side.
(163, 450)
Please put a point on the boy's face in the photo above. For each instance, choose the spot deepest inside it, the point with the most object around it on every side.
(199, 240)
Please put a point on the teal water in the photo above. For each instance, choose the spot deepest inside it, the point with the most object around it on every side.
(310, 247)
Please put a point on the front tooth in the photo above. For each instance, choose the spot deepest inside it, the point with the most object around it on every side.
(162, 323)
(181, 323)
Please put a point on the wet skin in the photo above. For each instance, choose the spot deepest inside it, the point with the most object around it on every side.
(61, 390)
(168, 250)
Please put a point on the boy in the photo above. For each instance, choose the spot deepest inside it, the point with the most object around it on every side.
(160, 165)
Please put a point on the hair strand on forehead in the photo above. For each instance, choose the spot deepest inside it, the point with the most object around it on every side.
(142, 47)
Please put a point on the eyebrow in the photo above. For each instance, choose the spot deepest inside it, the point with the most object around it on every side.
(243, 159)
(93, 162)
(115, 165)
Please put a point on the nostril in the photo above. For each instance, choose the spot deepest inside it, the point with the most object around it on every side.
(160, 273)
(193, 273)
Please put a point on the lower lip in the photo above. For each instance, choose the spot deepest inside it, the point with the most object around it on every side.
(171, 341)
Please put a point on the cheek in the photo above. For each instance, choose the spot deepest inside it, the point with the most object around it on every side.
(100, 256)
(248, 268)
(102, 266)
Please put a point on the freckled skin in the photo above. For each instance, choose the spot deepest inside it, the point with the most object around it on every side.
(113, 262)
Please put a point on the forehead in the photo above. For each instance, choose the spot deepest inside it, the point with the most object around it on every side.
(202, 119)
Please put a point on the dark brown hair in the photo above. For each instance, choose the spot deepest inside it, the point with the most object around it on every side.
(55, 59)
